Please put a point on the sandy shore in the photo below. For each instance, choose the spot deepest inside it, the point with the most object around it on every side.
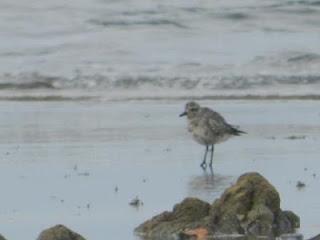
(81, 163)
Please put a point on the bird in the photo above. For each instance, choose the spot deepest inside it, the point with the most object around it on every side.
(208, 128)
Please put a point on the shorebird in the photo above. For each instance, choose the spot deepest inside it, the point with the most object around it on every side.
(208, 128)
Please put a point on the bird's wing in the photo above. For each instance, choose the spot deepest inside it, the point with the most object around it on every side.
(218, 125)
(216, 122)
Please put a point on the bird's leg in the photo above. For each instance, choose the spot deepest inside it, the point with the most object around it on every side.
(211, 173)
(204, 164)
(212, 149)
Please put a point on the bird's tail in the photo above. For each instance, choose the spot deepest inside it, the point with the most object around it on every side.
(235, 131)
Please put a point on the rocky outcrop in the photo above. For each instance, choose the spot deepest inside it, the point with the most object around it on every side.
(59, 232)
(250, 207)
(2, 237)
(189, 214)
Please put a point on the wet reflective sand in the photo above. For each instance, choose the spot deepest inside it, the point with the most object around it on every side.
(80, 164)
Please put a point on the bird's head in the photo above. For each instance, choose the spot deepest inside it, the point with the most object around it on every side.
(191, 110)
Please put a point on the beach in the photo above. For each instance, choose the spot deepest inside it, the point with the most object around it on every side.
(91, 91)
(80, 163)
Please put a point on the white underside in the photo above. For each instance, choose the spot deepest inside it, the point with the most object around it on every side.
(209, 141)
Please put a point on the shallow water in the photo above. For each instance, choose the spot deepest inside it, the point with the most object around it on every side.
(159, 48)
(62, 161)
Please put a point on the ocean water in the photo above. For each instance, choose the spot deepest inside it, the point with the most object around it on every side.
(158, 49)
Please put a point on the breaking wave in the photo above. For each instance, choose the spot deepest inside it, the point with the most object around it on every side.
(291, 68)
(48, 88)
(129, 22)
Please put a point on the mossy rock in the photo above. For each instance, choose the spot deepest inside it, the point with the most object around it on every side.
(190, 213)
(251, 207)
(59, 232)
(2, 237)
(293, 218)
(250, 190)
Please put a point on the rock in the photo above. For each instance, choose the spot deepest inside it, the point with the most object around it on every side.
(2, 237)
(251, 207)
(59, 232)
(189, 214)
(315, 237)
(198, 234)
(294, 236)
(286, 220)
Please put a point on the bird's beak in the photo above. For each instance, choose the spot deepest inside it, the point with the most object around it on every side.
(183, 114)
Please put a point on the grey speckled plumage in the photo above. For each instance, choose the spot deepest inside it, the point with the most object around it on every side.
(208, 127)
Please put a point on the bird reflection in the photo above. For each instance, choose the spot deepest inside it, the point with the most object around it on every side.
(208, 186)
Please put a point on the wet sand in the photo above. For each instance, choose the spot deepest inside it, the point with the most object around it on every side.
(81, 163)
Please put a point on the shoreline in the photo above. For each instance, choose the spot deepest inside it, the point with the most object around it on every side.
(60, 98)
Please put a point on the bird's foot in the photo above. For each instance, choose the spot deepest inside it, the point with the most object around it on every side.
(203, 165)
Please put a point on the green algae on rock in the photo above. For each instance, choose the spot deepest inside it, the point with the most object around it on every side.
(190, 213)
(250, 207)
(59, 232)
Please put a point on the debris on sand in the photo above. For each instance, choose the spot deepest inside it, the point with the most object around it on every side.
(300, 185)
(136, 202)
(296, 137)
(250, 207)
(85, 174)
(198, 234)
